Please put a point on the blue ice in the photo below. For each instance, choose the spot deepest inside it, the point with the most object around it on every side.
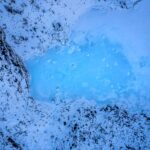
(91, 69)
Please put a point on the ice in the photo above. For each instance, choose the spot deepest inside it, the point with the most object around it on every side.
(107, 56)
(97, 68)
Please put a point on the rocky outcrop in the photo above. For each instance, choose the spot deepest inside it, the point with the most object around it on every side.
(14, 91)
(9, 56)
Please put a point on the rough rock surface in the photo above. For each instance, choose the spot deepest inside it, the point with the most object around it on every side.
(16, 107)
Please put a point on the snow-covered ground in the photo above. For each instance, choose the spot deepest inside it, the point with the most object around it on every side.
(34, 26)
(29, 28)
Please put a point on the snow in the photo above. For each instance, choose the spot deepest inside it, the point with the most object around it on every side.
(34, 32)
(78, 124)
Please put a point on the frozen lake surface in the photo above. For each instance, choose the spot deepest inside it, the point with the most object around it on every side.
(96, 69)
(108, 55)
